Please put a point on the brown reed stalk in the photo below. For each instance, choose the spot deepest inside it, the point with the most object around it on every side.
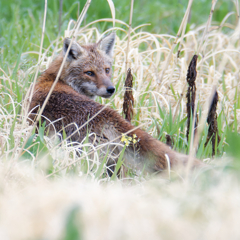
(128, 97)
(191, 94)
(212, 123)
(201, 50)
(129, 33)
(169, 141)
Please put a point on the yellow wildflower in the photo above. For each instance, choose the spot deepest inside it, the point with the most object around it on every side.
(127, 140)
(123, 139)
(127, 143)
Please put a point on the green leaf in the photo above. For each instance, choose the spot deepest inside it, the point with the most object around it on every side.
(73, 228)
(119, 163)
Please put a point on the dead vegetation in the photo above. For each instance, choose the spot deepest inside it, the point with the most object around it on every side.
(191, 95)
(43, 201)
(128, 100)
(213, 134)
(169, 141)
(40, 209)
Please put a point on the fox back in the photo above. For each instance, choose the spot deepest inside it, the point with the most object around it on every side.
(86, 74)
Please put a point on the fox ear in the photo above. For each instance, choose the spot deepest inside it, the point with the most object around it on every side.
(106, 44)
(74, 52)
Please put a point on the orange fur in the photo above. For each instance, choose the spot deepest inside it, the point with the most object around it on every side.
(73, 104)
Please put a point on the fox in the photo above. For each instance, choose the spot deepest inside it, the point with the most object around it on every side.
(87, 73)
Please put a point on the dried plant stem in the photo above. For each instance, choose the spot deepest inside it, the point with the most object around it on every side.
(183, 31)
(181, 28)
(238, 26)
(237, 9)
(192, 145)
(64, 59)
(92, 151)
(238, 15)
(204, 36)
(212, 124)
(191, 94)
(80, 19)
(194, 142)
(129, 33)
(112, 8)
(128, 97)
(9, 80)
(204, 116)
(179, 101)
(191, 109)
(39, 57)
(199, 132)
(169, 141)
(34, 82)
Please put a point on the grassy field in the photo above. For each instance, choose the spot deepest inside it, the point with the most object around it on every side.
(50, 191)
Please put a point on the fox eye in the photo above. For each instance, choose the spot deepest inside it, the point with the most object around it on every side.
(89, 73)
(107, 70)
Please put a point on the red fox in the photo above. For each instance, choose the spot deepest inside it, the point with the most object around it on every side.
(86, 74)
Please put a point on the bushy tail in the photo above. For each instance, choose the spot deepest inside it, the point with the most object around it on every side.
(157, 156)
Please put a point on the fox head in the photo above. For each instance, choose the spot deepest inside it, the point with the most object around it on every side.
(88, 68)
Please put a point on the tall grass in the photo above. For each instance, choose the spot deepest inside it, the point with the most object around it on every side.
(33, 164)
(159, 65)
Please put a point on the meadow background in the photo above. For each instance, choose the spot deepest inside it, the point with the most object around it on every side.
(52, 192)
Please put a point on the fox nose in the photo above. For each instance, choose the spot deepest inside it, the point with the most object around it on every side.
(110, 90)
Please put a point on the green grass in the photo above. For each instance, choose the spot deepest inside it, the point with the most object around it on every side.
(21, 21)
(207, 199)
(20, 32)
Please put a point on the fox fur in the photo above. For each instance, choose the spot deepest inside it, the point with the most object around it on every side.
(86, 74)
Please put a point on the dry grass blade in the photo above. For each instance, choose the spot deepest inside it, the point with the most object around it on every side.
(147, 63)
(191, 94)
(34, 82)
(128, 97)
(39, 59)
(90, 152)
(182, 29)
(238, 15)
(129, 33)
(112, 8)
(76, 28)
(207, 27)
(157, 201)
(80, 19)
